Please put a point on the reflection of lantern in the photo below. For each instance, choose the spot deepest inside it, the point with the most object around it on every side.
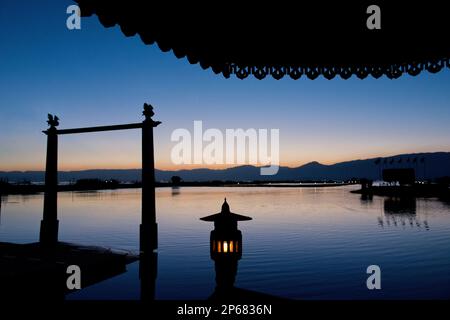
(226, 244)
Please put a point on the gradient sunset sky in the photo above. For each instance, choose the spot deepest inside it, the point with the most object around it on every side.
(97, 76)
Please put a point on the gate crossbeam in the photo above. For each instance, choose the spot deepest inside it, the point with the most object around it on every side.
(99, 128)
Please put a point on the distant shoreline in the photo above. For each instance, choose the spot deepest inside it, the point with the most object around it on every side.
(33, 189)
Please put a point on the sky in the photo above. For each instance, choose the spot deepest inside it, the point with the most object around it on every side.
(97, 76)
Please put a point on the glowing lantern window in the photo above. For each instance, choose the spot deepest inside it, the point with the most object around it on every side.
(225, 246)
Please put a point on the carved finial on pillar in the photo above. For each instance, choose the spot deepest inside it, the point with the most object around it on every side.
(148, 111)
(148, 114)
(53, 121)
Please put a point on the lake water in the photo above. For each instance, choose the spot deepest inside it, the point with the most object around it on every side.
(303, 243)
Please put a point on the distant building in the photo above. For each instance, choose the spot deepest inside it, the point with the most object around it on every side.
(401, 175)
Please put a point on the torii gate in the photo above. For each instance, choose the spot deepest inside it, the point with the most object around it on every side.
(148, 228)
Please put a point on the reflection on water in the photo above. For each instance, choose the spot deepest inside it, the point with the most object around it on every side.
(400, 206)
(401, 212)
(304, 243)
(175, 191)
(148, 272)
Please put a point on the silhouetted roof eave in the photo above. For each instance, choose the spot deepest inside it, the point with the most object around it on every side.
(228, 216)
(302, 39)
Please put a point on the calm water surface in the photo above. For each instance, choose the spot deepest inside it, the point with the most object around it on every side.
(303, 243)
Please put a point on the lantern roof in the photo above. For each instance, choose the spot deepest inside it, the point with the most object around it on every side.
(294, 39)
(225, 214)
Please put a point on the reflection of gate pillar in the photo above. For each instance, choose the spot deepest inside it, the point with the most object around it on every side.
(148, 227)
(49, 225)
(148, 269)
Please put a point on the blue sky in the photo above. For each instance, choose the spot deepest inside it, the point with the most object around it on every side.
(96, 76)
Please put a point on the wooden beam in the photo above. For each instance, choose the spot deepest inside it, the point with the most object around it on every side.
(100, 128)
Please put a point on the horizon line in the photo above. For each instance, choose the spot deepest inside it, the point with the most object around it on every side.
(234, 166)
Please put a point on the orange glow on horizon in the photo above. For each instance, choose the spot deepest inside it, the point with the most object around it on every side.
(74, 165)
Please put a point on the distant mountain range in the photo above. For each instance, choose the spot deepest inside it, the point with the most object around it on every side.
(427, 165)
